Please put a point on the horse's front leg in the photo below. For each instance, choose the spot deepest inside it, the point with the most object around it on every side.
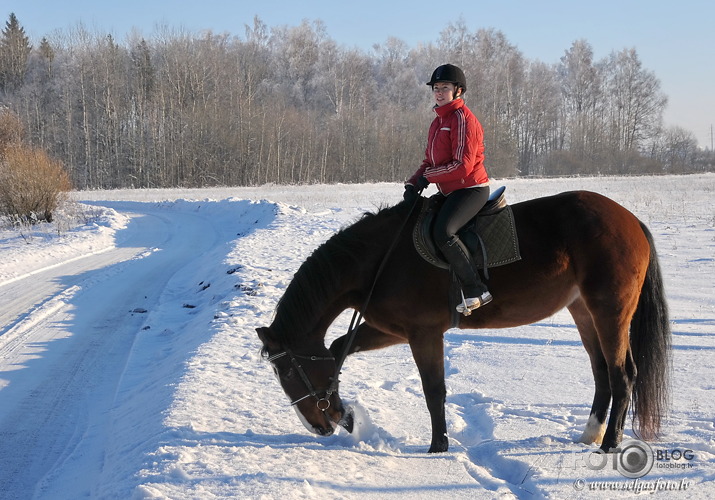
(428, 352)
(366, 338)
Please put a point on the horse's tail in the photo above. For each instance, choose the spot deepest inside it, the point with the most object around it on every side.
(650, 344)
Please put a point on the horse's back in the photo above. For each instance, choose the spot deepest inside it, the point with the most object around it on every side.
(572, 245)
(577, 215)
(586, 237)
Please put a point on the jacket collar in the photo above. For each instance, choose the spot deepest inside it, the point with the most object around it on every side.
(443, 111)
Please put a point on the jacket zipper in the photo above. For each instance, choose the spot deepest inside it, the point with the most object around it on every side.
(434, 139)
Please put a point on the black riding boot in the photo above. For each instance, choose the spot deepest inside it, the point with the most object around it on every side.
(474, 292)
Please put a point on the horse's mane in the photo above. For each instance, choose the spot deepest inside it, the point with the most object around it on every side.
(322, 275)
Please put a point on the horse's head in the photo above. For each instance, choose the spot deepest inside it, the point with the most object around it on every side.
(308, 377)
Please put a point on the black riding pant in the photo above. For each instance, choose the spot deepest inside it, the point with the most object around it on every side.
(458, 208)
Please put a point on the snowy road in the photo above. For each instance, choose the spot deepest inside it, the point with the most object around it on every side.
(67, 332)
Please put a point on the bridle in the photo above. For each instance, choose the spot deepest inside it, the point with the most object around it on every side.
(323, 403)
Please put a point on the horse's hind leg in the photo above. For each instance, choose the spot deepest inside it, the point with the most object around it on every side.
(622, 374)
(612, 328)
(596, 425)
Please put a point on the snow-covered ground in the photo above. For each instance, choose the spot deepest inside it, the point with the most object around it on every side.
(130, 367)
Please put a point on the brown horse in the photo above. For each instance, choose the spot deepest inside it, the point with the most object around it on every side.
(580, 250)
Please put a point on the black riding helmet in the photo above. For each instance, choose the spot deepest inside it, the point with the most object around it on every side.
(451, 74)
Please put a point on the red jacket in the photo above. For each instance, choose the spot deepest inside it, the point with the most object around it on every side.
(454, 158)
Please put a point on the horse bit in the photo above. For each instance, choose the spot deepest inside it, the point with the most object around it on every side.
(322, 403)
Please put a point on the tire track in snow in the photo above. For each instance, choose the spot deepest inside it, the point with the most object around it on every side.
(62, 360)
(15, 335)
(52, 357)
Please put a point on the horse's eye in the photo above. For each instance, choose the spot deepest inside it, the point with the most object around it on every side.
(284, 372)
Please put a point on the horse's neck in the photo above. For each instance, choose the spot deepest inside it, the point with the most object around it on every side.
(323, 287)
(335, 277)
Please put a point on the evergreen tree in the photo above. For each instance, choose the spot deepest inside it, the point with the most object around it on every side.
(47, 54)
(14, 53)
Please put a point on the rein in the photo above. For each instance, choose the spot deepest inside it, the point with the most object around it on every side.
(323, 403)
(359, 313)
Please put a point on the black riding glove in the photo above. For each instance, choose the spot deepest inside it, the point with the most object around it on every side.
(410, 193)
(422, 183)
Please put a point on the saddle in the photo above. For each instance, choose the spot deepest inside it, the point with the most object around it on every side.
(490, 235)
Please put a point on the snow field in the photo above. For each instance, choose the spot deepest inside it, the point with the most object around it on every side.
(196, 413)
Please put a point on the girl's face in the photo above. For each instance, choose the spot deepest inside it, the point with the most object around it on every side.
(444, 93)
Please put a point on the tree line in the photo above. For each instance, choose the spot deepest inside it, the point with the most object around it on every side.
(288, 104)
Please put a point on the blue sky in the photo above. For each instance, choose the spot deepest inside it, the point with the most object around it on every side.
(674, 39)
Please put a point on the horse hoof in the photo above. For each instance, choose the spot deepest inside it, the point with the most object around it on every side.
(348, 420)
(439, 447)
(609, 448)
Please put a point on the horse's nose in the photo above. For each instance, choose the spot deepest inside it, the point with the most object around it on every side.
(324, 431)
(327, 426)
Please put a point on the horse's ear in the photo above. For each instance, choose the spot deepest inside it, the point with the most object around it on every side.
(264, 333)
